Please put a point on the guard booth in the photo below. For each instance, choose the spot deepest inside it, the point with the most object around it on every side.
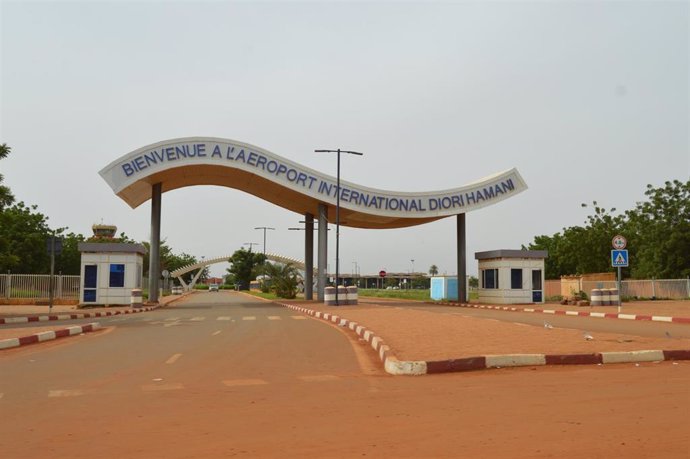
(109, 272)
(511, 276)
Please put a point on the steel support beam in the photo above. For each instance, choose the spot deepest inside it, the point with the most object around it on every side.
(462, 260)
(322, 250)
(154, 248)
(308, 256)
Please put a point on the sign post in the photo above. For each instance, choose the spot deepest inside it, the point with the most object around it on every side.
(54, 247)
(619, 259)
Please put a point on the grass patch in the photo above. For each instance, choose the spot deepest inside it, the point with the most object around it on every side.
(266, 296)
(419, 295)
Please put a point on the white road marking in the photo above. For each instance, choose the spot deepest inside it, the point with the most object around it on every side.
(298, 317)
(274, 318)
(249, 318)
(319, 378)
(65, 393)
(198, 319)
(224, 318)
(522, 325)
(147, 319)
(172, 319)
(173, 359)
(215, 333)
(161, 387)
(244, 382)
(171, 324)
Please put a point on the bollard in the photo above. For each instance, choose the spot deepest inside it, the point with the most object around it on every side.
(342, 295)
(605, 297)
(329, 296)
(613, 297)
(352, 295)
(137, 298)
(596, 297)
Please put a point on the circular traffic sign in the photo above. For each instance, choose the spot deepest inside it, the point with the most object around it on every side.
(165, 273)
(382, 273)
(619, 242)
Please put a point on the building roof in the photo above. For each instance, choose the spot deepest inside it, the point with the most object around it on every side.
(111, 247)
(506, 253)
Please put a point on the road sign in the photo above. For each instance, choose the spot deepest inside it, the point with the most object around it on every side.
(619, 258)
(619, 242)
(165, 273)
(54, 242)
(382, 273)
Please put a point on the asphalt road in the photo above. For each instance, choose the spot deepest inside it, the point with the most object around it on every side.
(224, 375)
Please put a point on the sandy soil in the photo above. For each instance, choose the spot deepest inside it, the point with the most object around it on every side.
(422, 335)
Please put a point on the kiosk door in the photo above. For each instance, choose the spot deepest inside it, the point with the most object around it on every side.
(537, 292)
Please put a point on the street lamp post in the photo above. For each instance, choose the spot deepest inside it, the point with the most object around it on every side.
(337, 215)
(412, 274)
(264, 228)
(251, 244)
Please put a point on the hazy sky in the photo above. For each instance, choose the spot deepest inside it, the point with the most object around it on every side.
(589, 100)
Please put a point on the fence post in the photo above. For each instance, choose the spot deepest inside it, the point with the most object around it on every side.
(59, 285)
(688, 292)
(653, 288)
(8, 285)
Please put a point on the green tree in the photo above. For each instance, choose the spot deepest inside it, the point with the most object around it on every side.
(245, 266)
(658, 231)
(23, 232)
(6, 197)
(282, 279)
(69, 261)
(433, 270)
(169, 260)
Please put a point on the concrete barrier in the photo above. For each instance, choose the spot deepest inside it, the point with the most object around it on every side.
(137, 298)
(613, 296)
(352, 295)
(605, 297)
(329, 296)
(596, 297)
(342, 295)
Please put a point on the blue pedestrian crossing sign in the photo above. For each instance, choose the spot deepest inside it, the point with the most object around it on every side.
(619, 258)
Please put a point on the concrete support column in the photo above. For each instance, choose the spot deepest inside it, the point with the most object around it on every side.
(154, 255)
(323, 250)
(462, 260)
(308, 256)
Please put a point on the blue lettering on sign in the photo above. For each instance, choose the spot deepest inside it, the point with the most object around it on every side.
(256, 160)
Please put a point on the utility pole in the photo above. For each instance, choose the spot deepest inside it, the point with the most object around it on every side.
(264, 228)
(337, 215)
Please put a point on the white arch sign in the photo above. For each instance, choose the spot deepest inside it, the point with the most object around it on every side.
(192, 161)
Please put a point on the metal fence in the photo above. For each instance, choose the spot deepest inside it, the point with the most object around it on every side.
(37, 286)
(672, 289)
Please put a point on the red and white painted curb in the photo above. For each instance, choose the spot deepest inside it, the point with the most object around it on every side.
(419, 367)
(48, 335)
(562, 312)
(26, 319)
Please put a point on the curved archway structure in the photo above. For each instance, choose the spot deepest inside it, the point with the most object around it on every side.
(149, 171)
(179, 272)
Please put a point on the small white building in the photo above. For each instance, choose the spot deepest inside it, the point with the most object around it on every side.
(511, 276)
(109, 272)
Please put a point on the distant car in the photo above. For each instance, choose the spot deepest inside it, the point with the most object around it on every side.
(213, 288)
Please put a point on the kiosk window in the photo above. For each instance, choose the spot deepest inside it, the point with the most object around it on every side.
(117, 275)
(516, 278)
(490, 278)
